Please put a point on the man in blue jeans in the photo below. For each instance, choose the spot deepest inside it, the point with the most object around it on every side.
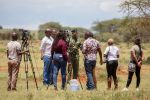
(46, 46)
(90, 48)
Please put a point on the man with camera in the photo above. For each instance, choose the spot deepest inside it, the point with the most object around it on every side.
(45, 48)
(14, 58)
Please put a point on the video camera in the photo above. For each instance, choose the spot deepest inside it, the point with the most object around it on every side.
(25, 35)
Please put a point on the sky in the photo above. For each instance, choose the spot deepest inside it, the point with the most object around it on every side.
(29, 14)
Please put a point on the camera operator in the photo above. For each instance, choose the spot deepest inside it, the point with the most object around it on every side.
(14, 58)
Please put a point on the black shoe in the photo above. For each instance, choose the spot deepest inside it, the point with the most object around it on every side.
(91, 88)
(62, 88)
(68, 82)
(51, 83)
(14, 89)
(8, 89)
(55, 88)
(44, 83)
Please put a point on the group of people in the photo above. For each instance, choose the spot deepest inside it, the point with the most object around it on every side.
(59, 50)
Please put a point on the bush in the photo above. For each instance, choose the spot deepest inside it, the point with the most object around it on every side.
(105, 36)
(40, 35)
(148, 60)
(5, 34)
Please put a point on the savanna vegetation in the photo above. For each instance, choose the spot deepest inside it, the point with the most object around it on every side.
(136, 23)
(100, 94)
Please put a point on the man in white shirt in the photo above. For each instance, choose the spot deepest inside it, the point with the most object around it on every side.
(111, 54)
(46, 46)
(13, 55)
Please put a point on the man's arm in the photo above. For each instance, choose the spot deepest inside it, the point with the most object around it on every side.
(118, 54)
(100, 55)
(42, 53)
(42, 49)
(84, 47)
(64, 52)
(22, 52)
(142, 58)
(105, 54)
(7, 54)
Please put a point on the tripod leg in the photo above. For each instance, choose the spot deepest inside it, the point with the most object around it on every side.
(69, 73)
(23, 47)
(33, 70)
(80, 81)
(27, 58)
(26, 70)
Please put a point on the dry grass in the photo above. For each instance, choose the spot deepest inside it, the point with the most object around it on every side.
(100, 94)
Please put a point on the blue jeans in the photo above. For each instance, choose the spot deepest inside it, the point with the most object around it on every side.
(47, 70)
(59, 63)
(89, 66)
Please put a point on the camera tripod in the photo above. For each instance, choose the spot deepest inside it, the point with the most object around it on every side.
(27, 59)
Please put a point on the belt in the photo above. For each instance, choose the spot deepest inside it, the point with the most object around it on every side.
(12, 59)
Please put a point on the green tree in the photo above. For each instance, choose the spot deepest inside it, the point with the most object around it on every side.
(106, 26)
(51, 25)
(138, 17)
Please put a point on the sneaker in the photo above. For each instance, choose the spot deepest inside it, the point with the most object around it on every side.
(125, 89)
(137, 89)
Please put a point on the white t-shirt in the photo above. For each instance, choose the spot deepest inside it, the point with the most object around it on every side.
(46, 45)
(112, 52)
(12, 48)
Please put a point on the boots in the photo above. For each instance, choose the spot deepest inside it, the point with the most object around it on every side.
(116, 84)
(109, 83)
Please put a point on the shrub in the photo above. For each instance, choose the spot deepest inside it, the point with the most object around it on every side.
(148, 60)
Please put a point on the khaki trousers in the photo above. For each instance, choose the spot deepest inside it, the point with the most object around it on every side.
(13, 70)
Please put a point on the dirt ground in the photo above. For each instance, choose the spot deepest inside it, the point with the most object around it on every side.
(122, 70)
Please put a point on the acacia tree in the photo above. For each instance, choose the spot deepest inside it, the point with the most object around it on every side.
(136, 8)
(138, 16)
